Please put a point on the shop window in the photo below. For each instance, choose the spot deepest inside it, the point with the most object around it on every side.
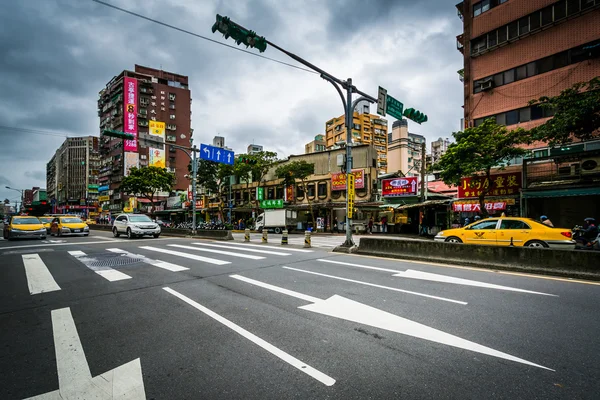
(271, 194)
(279, 193)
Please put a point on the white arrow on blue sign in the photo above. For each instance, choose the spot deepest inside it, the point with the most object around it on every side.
(216, 154)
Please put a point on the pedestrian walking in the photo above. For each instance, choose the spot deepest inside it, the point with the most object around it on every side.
(384, 224)
(336, 228)
(370, 225)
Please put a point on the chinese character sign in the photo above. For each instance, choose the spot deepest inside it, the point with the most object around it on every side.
(157, 128)
(338, 181)
(289, 193)
(157, 158)
(406, 186)
(476, 207)
(130, 113)
(131, 160)
(498, 185)
(271, 203)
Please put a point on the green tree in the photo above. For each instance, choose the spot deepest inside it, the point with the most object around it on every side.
(207, 175)
(264, 161)
(476, 151)
(298, 171)
(576, 114)
(147, 181)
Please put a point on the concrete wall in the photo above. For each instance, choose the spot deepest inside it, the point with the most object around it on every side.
(582, 264)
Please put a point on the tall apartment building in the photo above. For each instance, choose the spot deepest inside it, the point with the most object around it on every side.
(219, 141)
(318, 144)
(404, 150)
(438, 148)
(366, 129)
(516, 51)
(132, 102)
(72, 172)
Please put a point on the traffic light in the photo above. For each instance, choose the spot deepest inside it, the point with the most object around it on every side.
(239, 34)
(415, 115)
(247, 160)
(117, 134)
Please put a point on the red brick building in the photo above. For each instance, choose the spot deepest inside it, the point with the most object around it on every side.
(519, 50)
(158, 96)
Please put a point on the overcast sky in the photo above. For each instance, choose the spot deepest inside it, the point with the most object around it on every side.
(56, 55)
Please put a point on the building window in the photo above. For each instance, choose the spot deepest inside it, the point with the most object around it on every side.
(311, 189)
(540, 153)
(172, 116)
(171, 127)
(172, 96)
(171, 138)
(513, 30)
(524, 26)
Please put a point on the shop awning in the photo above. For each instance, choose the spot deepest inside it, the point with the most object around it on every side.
(536, 194)
(427, 203)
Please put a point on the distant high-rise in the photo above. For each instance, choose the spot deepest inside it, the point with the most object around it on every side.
(134, 102)
(316, 145)
(254, 148)
(438, 148)
(404, 150)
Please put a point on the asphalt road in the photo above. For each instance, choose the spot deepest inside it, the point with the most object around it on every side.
(100, 317)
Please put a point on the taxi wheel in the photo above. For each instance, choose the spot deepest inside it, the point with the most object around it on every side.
(453, 239)
(536, 243)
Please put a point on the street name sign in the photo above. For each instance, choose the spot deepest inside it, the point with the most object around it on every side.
(216, 154)
(394, 107)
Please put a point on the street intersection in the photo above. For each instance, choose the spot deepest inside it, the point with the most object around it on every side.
(180, 318)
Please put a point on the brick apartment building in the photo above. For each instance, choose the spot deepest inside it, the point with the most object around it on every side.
(158, 96)
(519, 50)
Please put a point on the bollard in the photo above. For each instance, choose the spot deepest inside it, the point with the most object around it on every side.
(265, 235)
(246, 235)
(284, 237)
(307, 239)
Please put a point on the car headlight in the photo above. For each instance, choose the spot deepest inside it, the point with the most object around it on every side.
(87, 228)
(441, 233)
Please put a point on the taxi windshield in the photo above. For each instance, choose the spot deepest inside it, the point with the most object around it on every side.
(71, 220)
(25, 221)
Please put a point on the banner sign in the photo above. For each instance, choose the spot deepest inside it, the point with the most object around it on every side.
(289, 193)
(103, 198)
(130, 113)
(393, 187)
(271, 203)
(103, 188)
(501, 185)
(131, 160)
(338, 181)
(476, 207)
(156, 128)
(351, 187)
(157, 158)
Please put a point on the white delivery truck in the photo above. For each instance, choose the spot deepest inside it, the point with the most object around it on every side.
(276, 220)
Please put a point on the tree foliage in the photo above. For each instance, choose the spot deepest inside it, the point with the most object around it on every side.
(576, 114)
(147, 181)
(264, 162)
(477, 150)
(207, 175)
(298, 171)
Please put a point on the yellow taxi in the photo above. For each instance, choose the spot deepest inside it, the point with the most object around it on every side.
(506, 231)
(23, 227)
(47, 221)
(68, 225)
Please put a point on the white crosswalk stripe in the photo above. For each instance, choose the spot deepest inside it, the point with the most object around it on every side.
(263, 246)
(105, 272)
(157, 263)
(186, 255)
(39, 278)
(274, 253)
(227, 253)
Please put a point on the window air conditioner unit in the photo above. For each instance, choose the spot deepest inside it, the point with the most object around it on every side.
(486, 84)
(590, 166)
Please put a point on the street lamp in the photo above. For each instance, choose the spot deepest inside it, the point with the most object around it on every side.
(20, 191)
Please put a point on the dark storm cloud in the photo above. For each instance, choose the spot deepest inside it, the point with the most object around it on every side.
(57, 55)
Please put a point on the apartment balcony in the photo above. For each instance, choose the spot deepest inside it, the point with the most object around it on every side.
(460, 43)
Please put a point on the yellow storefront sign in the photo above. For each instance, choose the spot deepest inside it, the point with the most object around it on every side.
(103, 198)
(350, 180)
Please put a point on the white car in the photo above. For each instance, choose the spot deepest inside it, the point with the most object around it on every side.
(134, 225)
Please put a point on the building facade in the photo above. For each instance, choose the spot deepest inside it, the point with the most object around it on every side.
(72, 173)
(520, 50)
(438, 149)
(366, 129)
(404, 150)
(318, 144)
(131, 102)
(254, 148)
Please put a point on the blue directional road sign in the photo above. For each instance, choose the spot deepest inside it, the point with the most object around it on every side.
(216, 154)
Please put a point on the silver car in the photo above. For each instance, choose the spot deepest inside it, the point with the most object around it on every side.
(134, 225)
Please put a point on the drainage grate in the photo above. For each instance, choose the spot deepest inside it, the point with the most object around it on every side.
(113, 260)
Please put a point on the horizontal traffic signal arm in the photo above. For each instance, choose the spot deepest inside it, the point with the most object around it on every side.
(118, 134)
(238, 33)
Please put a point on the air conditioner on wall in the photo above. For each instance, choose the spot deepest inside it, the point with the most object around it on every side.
(486, 84)
(590, 166)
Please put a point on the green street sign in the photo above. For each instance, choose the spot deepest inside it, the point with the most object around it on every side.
(271, 203)
(394, 107)
(260, 193)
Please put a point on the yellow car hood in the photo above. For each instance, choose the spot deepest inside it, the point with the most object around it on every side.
(75, 225)
(28, 227)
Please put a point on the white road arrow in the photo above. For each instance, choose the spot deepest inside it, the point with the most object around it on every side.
(350, 310)
(228, 157)
(74, 377)
(218, 154)
(427, 276)
(207, 151)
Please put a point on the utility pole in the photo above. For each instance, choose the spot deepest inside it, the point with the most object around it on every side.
(423, 171)
(194, 178)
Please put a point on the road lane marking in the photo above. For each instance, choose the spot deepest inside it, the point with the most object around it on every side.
(84, 243)
(300, 296)
(380, 286)
(226, 253)
(107, 273)
(268, 247)
(412, 274)
(293, 361)
(74, 377)
(274, 253)
(340, 307)
(186, 255)
(39, 278)
(487, 270)
(157, 263)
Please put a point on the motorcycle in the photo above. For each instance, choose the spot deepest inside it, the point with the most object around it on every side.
(577, 235)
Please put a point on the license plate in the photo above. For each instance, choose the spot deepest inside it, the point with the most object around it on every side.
(77, 230)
